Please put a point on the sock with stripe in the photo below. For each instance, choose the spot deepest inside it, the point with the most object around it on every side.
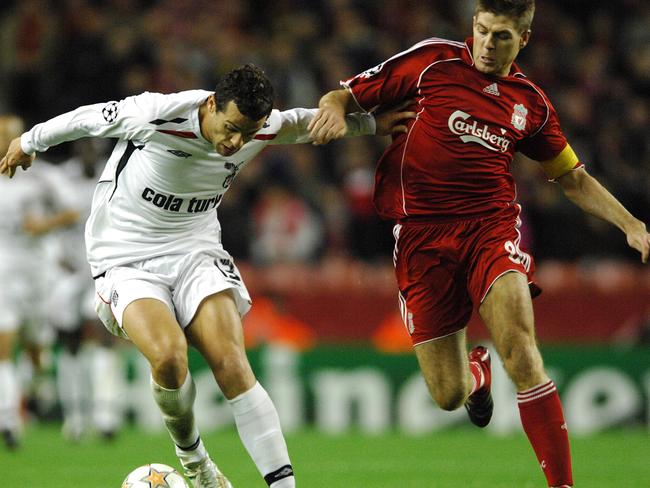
(543, 421)
(478, 377)
(258, 425)
(176, 406)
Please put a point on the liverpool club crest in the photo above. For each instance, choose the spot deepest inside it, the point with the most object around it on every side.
(519, 117)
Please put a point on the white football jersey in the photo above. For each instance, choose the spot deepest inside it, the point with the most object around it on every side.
(26, 268)
(78, 187)
(163, 182)
(20, 199)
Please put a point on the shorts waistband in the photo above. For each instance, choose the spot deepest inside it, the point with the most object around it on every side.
(450, 219)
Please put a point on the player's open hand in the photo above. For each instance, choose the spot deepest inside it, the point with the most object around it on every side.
(14, 158)
(327, 125)
(393, 121)
(639, 239)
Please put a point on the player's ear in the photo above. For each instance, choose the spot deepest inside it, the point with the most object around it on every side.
(525, 38)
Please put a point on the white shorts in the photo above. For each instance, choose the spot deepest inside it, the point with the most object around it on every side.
(181, 282)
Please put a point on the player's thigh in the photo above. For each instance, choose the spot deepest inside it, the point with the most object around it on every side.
(507, 311)
(216, 331)
(153, 329)
(443, 363)
(210, 298)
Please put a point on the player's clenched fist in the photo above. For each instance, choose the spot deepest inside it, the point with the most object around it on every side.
(14, 158)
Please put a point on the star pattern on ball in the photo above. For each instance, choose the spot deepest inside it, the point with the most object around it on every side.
(155, 478)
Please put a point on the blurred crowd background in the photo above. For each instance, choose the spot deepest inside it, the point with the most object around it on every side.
(302, 203)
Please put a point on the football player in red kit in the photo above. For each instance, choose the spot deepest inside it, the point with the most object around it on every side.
(447, 184)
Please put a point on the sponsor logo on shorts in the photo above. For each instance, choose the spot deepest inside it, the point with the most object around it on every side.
(114, 298)
(469, 130)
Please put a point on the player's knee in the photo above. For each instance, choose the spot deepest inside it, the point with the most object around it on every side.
(233, 372)
(169, 367)
(232, 362)
(524, 365)
(448, 398)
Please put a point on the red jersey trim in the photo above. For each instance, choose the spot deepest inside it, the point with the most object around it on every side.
(265, 137)
(178, 133)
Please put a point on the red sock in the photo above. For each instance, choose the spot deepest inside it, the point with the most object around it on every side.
(543, 421)
(477, 376)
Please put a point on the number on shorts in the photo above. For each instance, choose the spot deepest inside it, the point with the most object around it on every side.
(516, 255)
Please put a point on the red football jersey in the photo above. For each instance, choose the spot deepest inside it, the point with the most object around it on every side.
(454, 161)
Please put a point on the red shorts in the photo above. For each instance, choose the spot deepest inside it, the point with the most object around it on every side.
(445, 269)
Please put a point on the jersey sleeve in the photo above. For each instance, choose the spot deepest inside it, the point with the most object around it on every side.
(393, 80)
(124, 119)
(293, 125)
(549, 147)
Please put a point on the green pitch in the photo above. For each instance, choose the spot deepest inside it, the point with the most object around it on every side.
(466, 458)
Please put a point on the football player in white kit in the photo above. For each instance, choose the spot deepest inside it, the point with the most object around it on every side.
(153, 243)
(27, 212)
(89, 375)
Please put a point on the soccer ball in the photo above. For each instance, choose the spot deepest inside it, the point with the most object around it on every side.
(154, 475)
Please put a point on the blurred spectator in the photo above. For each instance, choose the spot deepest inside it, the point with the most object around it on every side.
(286, 229)
(83, 51)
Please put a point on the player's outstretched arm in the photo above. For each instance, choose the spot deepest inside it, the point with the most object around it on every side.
(15, 158)
(329, 122)
(588, 194)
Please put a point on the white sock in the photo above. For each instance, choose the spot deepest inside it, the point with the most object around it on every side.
(70, 387)
(176, 406)
(9, 397)
(259, 429)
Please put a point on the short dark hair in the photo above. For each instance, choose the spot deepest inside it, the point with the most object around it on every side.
(522, 10)
(249, 88)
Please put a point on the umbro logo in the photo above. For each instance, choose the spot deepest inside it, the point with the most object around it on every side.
(179, 154)
(492, 89)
